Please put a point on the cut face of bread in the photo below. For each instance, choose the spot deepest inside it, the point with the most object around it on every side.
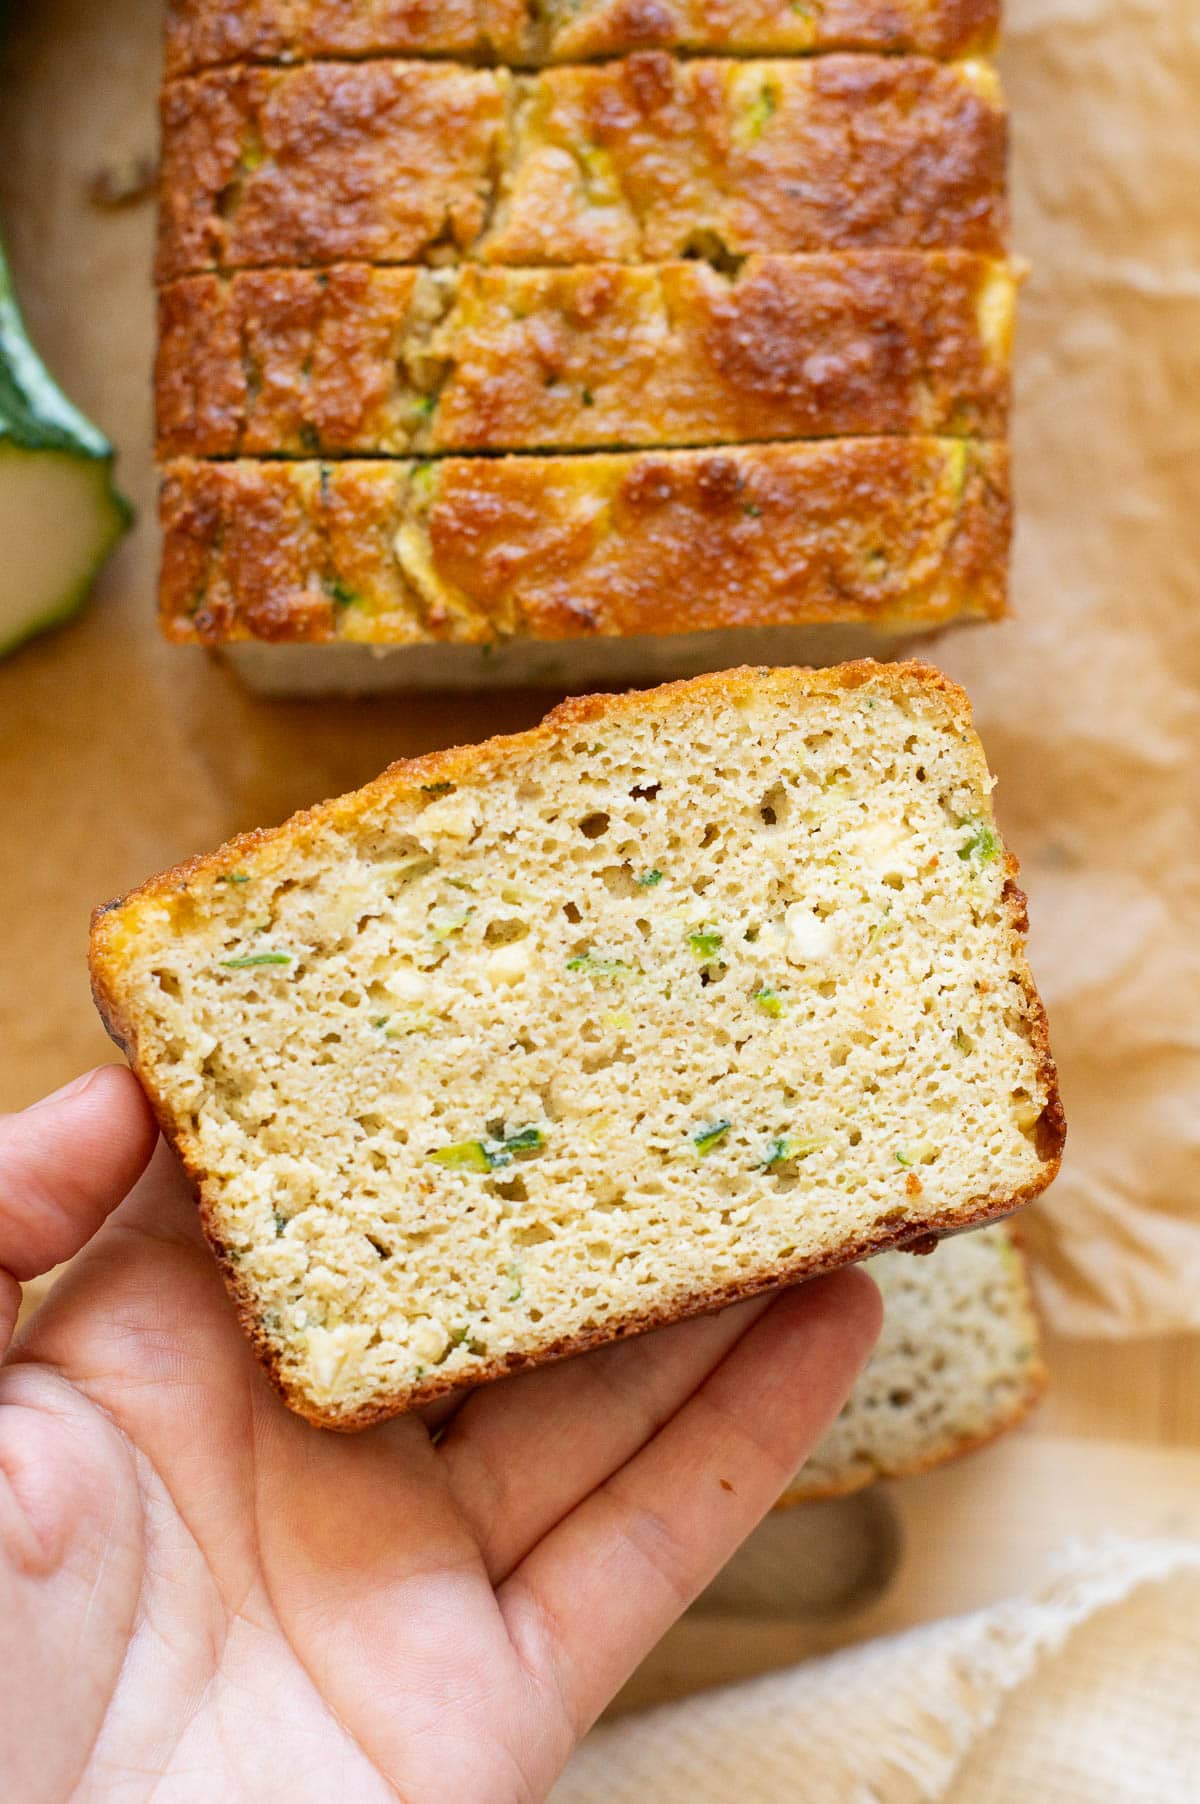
(638, 161)
(359, 359)
(206, 33)
(538, 1043)
(895, 534)
(957, 1363)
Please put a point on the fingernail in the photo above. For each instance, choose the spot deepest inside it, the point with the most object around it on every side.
(76, 1087)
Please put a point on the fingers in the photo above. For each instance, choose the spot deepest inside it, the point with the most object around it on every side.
(10, 1303)
(520, 1455)
(64, 1165)
(379, 1587)
(594, 1596)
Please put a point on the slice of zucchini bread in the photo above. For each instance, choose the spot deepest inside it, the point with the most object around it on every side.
(957, 1364)
(531, 1045)
(206, 33)
(898, 535)
(357, 359)
(642, 160)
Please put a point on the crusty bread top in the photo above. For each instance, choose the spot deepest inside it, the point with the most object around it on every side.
(943, 28)
(386, 361)
(384, 161)
(203, 34)
(326, 1065)
(655, 157)
(206, 33)
(897, 533)
(638, 161)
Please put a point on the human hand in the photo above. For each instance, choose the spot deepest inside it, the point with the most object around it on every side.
(203, 1598)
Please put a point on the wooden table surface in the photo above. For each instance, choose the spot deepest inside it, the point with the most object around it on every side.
(1146, 1391)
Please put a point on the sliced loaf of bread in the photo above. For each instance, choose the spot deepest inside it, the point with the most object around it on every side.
(957, 1364)
(531, 1045)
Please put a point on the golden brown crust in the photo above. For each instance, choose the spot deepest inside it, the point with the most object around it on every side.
(352, 359)
(206, 33)
(408, 779)
(652, 158)
(202, 34)
(635, 161)
(285, 361)
(382, 161)
(899, 532)
(943, 28)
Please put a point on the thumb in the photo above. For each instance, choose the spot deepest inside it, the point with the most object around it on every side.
(65, 1164)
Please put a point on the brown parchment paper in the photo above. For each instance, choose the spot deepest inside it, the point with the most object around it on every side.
(119, 755)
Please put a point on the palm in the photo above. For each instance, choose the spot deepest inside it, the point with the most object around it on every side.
(211, 1599)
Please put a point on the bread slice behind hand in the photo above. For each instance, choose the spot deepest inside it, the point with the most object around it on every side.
(958, 1363)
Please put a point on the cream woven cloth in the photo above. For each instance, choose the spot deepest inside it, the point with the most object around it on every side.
(1086, 1691)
